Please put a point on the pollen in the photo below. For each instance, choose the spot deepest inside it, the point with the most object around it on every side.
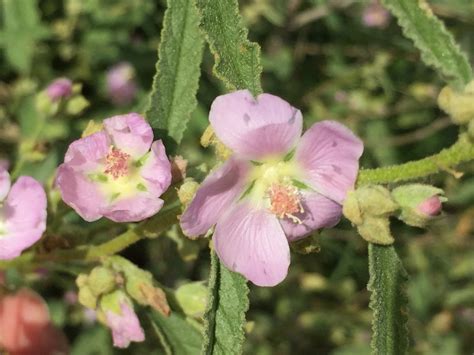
(116, 163)
(285, 201)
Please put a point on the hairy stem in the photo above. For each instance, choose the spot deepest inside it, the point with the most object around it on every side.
(460, 152)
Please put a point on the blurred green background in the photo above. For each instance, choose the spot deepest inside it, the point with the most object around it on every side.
(334, 59)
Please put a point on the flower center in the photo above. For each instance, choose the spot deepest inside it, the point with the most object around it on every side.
(116, 163)
(285, 201)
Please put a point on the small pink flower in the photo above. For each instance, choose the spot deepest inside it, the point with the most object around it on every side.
(125, 326)
(277, 187)
(59, 88)
(22, 214)
(26, 328)
(113, 173)
(431, 207)
(375, 15)
(121, 86)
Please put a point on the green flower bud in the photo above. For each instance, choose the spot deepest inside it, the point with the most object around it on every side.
(419, 203)
(369, 208)
(76, 105)
(459, 105)
(139, 284)
(86, 297)
(187, 191)
(192, 298)
(111, 301)
(101, 280)
(376, 230)
(45, 106)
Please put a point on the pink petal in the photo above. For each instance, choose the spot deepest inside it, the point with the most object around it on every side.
(251, 242)
(255, 128)
(215, 194)
(80, 193)
(130, 133)
(4, 183)
(25, 206)
(24, 214)
(330, 152)
(125, 326)
(157, 169)
(13, 243)
(319, 212)
(87, 153)
(134, 209)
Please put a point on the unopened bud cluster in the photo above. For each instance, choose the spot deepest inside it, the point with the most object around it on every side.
(370, 207)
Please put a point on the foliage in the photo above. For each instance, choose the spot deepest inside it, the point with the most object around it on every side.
(320, 56)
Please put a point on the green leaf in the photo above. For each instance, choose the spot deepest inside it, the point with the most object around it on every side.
(237, 60)
(388, 301)
(93, 341)
(21, 30)
(176, 335)
(436, 44)
(225, 315)
(173, 96)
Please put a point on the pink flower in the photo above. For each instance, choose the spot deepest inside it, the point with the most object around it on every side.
(375, 15)
(26, 328)
(277, 187)
(431, 207)
(113, 173)
(125, 326)
(22, 214)
(59, 88)
(121, 86)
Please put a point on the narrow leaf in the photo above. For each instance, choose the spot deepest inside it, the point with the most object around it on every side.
(436, 44)
(237, 60)
(388, 301)
(173, 96)
(176, 335)
(225, 315)
(21, 30)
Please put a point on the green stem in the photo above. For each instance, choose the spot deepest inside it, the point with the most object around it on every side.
(460, 152)
(148, 229)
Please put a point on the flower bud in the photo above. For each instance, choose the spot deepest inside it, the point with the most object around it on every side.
(139, 284)
(192, 298)
(59, 88)
(458, 104)
(76, 105)
(431, 207)
(419, 203)
(187, 191)
(178, 168)
(87, 298)
(121, 86)
(369, 208)
(121, 319)
(375, 15)
(101, 280)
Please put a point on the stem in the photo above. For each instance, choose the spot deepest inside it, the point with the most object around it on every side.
(148, 229)
(460, 152)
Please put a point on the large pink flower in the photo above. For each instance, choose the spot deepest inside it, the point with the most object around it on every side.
(277, 187)
(113, 173)
(22, 214)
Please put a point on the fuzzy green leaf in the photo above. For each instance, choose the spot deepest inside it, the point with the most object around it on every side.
(237, 60)
(436, 44)
(173, 96)
(225, 314)
(176, 335)
(21, 30)
(388, 301)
